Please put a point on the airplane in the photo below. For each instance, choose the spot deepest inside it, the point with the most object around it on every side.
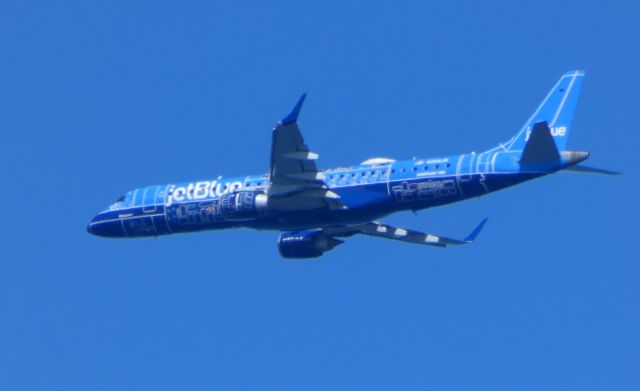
(316, 209)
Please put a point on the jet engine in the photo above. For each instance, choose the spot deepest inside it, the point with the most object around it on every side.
(243, 205)
(306, 244)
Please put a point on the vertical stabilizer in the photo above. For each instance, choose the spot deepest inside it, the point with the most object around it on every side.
(557, 110)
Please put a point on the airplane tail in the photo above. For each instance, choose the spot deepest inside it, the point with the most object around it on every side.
(557, 110)
(543, 138)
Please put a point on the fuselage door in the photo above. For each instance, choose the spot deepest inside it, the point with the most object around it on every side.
(149, 204)
(465, 167)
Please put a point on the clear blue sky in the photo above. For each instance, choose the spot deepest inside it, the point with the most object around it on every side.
(97, 98)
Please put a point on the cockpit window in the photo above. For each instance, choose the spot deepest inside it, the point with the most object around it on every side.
(123, 202)
(118, 204)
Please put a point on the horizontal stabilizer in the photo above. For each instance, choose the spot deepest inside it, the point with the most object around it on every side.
(540, 146)
(590, 170)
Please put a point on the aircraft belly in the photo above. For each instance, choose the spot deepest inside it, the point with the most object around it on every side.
(285, 221)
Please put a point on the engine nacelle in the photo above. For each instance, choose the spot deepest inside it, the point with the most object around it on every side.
(305, 244)
(243, 205)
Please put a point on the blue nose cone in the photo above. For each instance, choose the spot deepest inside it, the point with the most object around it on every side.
(106, 228)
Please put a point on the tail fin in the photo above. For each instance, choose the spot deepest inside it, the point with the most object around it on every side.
(556, 109)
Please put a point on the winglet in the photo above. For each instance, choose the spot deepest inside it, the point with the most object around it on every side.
(474, 234)
(293, 116)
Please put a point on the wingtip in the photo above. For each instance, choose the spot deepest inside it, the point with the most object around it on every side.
(474, 234)
(293, 116)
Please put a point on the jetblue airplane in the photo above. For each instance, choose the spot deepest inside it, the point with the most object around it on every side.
(315, 208)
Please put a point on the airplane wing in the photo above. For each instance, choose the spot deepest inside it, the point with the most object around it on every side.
(295, 182)
(402, 234)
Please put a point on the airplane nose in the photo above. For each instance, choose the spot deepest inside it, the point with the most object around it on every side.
(106, 228)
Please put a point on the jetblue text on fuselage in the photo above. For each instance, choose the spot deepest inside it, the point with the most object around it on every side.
(200, 191)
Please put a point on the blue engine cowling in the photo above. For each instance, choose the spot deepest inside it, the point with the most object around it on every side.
(242, 205)
(306, 244)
